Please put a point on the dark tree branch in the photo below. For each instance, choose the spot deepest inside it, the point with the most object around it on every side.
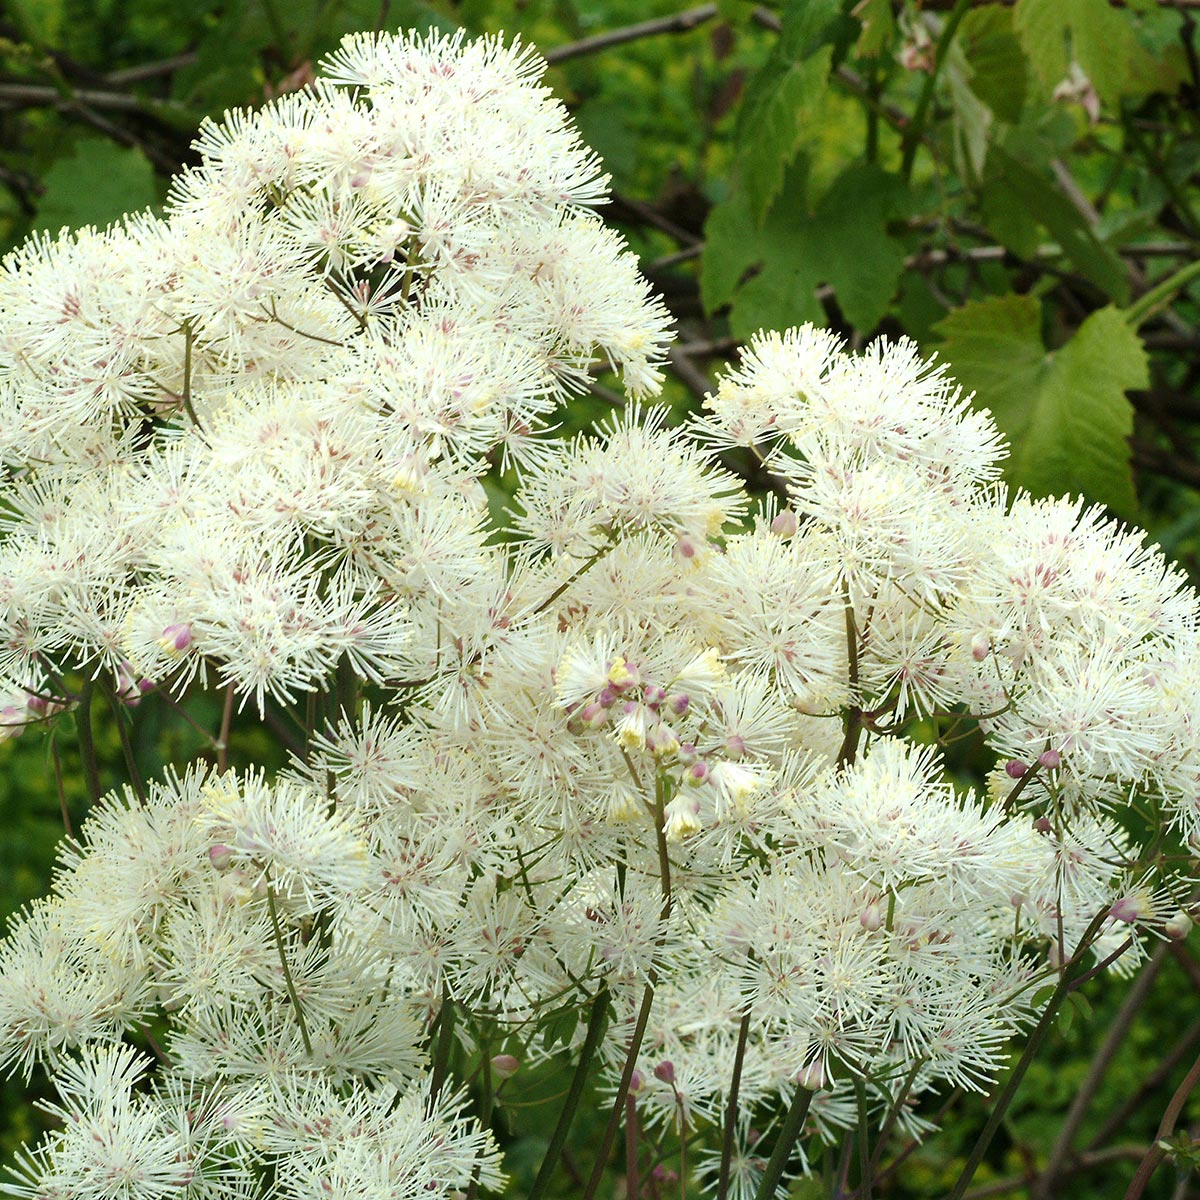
(681, 22)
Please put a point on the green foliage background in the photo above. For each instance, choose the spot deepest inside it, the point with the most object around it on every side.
(1013, 185)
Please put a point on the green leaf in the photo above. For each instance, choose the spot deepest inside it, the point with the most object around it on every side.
(1098, 37)
(558, 1027)
(806, 26)
(844, 243)
(997, 62)
(1015, 193)
(780, 98)
(994, 347)
(1065, 413)
(95, 184)
(972, 118)
(878, 27)
(775, 125)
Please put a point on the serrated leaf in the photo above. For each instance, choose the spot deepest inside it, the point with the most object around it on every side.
(806, 25)
(994, 348)
(1065, 413)
(732, 246)
(997, 62)
(1083, 424)
(1092, 33)
(844, 243)
(775, 127)
(779, 99)
(1014, 191)
(95, 184)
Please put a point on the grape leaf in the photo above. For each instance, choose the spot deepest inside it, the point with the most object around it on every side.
(1015, 192)
(96, 183)
(776, 127)
(1090, 32)
(780, 98)
(878, 27)
(1065, 413)
(997, 62)
(844, 243)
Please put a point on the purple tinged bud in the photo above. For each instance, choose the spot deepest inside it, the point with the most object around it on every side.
(871, 918)
(653, 695)
(736, 745)
(1177, 927)
(1126, 909)
(687, 754)
(592, 715)
(785, 524)
(1042, 824)
(980, 647)
(1050, 759)
(678, 703)
(36, 704)
(686, 547)
(1015, 768)
(505, 1066)
(697, 772)
(608, 697)
(220, 856)
(637, 1081)
(811, 1077)
(176, 638)
(665, 1071)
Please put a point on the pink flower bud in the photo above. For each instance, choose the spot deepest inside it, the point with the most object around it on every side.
(175, 639)
(220, 856)
(697, 773)
(1015, 768)
(1042, 825)
(608, 697)
(735, 744)
(686, 547)
(1128, 909)
(505, 1066)
(1178, 926)
(687, 754)
(811, 1077)
(665, 1071)
(678, 703)
(980, 647)
(653, 695)
(784, 524)
(872, 917)
(1050, 759)
(592, 715)
(637, 1081)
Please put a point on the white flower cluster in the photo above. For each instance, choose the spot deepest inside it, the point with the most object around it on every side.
(648, 745)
